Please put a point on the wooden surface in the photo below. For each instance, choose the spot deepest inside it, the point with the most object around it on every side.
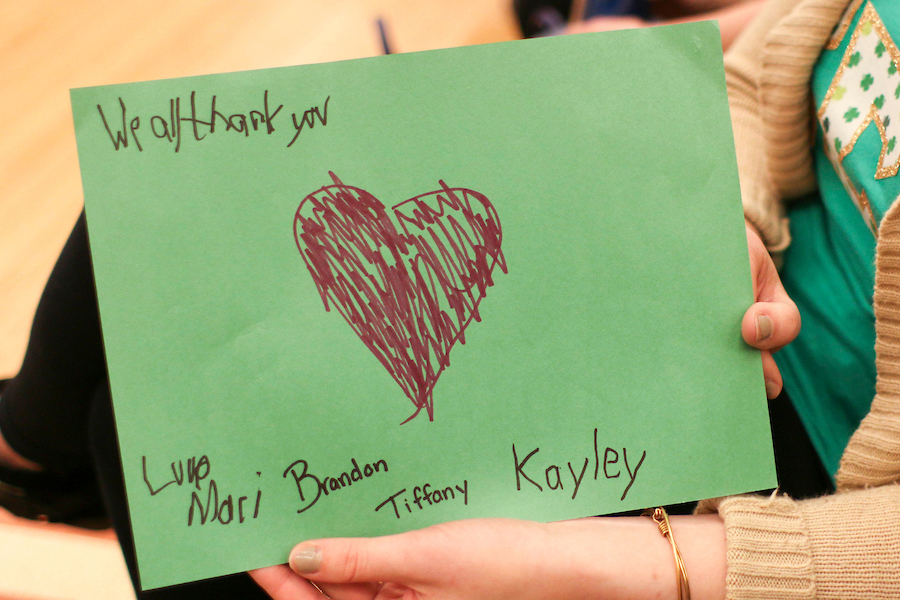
(50, 46)
(39, 561)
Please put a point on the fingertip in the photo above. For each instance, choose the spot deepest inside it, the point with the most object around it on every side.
(757, 327)
(764, 327)
(772, 376)
(748, 327)
(357, 560)
(305, 559)
(770, 325)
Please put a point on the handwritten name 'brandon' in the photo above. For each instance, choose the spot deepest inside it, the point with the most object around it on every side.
(196, 120)
(554, 478)
(311, 487)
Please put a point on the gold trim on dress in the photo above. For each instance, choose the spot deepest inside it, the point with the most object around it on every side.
(870, 15)
(841, 30)
(865, 207)
(844, 60)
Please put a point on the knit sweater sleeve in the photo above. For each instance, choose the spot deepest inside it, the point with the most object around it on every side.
(743, 68)
(835, 547)
(767, 72)
(846, 545)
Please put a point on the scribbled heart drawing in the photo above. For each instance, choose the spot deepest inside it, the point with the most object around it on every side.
(410, 286)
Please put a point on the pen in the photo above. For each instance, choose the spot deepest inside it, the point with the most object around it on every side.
(381, 31)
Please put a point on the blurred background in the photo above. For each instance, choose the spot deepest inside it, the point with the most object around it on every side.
(50, 46)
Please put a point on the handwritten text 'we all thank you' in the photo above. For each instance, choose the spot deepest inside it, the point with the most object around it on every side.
(197, 119)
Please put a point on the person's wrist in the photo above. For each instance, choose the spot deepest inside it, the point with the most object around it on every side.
(661, 518)
(626, 558)
(701, 540)
(615, 558)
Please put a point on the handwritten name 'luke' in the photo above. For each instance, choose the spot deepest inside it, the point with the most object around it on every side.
(555, 479)
(182, 117)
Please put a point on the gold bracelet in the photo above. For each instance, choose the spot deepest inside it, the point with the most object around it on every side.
(661, 518)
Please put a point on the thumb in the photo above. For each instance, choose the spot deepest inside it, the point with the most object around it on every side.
(353, 560)
(773, 320)
(771, 325)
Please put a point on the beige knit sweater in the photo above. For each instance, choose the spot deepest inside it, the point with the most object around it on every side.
(846, 545)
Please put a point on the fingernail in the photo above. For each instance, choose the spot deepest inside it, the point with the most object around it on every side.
(306, 559)
(771, 389)
(763, 327)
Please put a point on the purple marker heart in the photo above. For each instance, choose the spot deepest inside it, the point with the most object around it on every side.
(410, 286)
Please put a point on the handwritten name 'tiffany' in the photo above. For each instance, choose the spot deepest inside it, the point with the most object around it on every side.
(424, 496)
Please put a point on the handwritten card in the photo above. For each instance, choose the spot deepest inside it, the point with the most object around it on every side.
(365, 297)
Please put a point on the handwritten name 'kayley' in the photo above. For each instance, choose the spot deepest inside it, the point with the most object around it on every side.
(554, 478)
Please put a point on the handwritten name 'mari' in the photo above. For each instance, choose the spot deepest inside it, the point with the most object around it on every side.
(180, 118)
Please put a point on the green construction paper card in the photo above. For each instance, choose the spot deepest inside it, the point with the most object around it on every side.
(358, 298)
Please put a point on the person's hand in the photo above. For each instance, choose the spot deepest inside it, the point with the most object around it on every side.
(498, 559)
(613, 23)
(773, 320)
